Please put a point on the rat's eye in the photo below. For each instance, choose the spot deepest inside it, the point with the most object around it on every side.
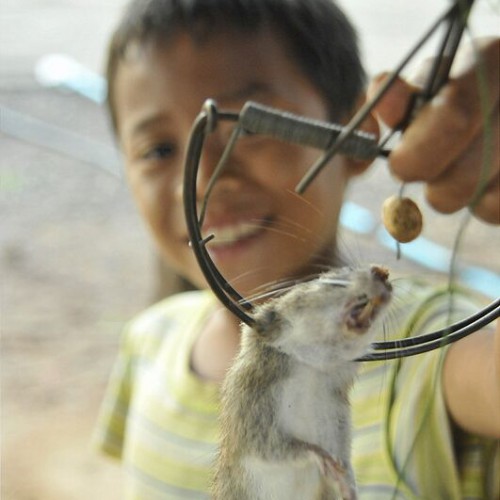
(161, 151)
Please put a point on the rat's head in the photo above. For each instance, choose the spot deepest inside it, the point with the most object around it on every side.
(335, 317)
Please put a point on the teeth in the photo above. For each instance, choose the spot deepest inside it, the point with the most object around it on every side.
(230, 234)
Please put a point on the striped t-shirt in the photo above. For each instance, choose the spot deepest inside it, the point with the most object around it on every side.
(161, 420)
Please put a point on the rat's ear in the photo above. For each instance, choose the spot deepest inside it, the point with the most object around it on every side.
(266, 322)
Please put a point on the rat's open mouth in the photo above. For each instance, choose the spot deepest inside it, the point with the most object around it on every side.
(361, 312)
(359, 316)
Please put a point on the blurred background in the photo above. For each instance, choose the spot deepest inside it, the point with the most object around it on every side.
(75, 261)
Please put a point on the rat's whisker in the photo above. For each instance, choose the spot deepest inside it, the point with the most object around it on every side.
(283, 232)
(306, 202)
(243, 275)
(283, 227)
(280, 286)
(268, 294)
(292, 223)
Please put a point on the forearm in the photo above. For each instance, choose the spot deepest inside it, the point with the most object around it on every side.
(471, 382)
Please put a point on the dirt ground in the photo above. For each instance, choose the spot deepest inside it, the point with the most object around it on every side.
(75, 265)
(71, 249)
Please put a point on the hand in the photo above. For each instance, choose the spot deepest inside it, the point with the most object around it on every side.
(471, 382)
(453, 143)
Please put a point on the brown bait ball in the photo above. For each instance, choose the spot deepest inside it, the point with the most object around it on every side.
(402, 218)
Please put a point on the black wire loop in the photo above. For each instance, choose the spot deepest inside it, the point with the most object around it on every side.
(257, 119)
(222, 289)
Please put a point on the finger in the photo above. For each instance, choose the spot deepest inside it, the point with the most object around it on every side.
(391, 109)
(470, 176)
(371, 126)
(450, 121)
(488, 207)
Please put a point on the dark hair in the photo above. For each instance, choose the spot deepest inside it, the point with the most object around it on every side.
(317, 35)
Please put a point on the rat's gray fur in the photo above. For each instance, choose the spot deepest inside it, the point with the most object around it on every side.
(285, 415)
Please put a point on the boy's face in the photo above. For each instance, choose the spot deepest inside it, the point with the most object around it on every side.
(263, 230)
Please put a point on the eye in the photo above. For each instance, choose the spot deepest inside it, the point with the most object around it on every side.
(161, 151)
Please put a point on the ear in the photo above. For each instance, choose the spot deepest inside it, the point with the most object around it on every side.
(369, 125)
(266, 322)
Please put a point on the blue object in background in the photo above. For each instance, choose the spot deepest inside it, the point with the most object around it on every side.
(62, 71)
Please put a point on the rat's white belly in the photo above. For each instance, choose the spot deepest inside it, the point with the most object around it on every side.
(310, 411)
(287, 480)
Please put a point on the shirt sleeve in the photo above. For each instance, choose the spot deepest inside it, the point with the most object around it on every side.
(421, 437)
(109, 435)
(141, 340)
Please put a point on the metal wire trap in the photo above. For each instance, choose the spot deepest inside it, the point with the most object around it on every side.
(332, 139)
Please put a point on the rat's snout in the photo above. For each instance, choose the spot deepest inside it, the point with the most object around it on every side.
(381, 273)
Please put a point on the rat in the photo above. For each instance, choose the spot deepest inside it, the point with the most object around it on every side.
(285, 414)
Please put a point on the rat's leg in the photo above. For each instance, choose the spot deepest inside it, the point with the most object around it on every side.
(338, 482)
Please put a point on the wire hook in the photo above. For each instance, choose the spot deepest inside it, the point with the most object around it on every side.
(258, 119)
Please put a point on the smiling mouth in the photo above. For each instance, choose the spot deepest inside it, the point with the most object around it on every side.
(224, 236)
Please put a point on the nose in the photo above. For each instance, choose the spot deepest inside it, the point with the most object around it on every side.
(212, 166)
(218, 160)
(211, 155)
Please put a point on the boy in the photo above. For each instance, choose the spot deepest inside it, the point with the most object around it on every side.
(160, 417)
